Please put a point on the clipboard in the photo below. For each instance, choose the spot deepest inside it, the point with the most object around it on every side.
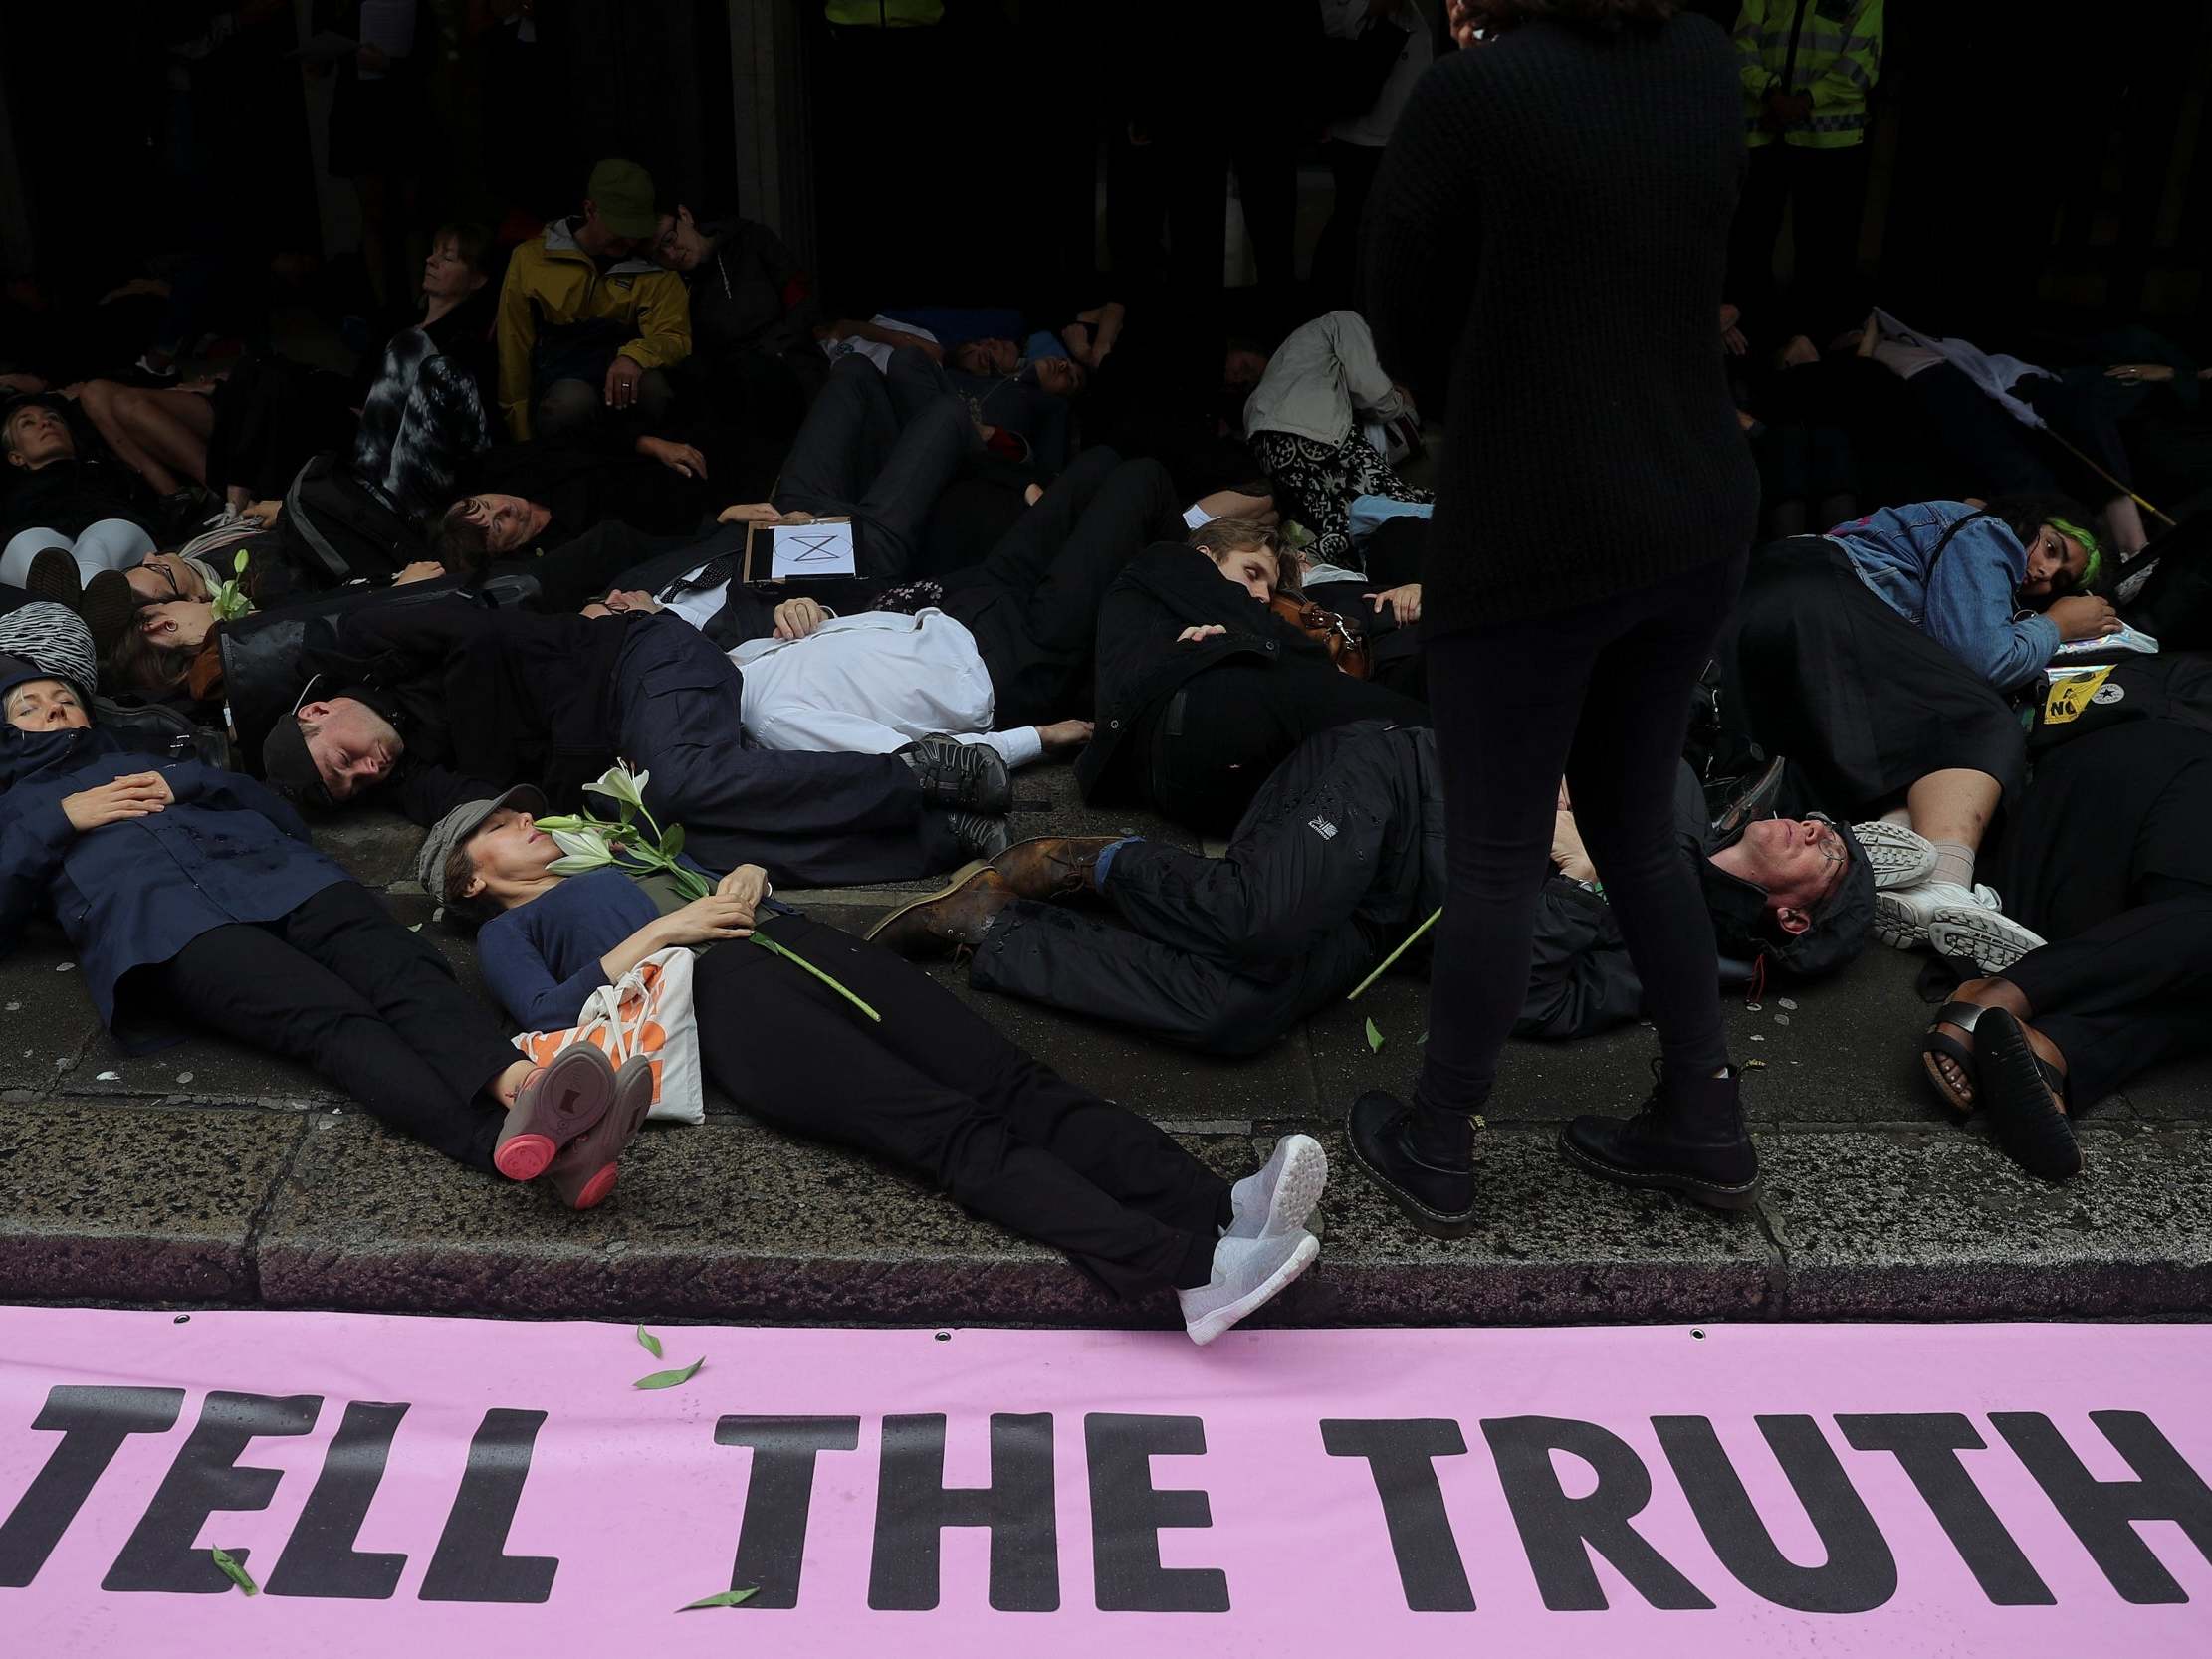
(822, 548)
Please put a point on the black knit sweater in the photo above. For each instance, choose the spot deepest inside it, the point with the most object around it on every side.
(1546, 243)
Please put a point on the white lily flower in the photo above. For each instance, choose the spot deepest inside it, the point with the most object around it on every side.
(582, 844)
(620, 783)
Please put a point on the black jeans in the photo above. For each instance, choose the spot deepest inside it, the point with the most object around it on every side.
(936, 1089)
(879, 449)
(1214, 744)
(1599, 693)
(1032, 603)
(2131, 991)
(340, 986)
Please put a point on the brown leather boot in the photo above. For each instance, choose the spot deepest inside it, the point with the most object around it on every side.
(1053, 866)
(938, 923)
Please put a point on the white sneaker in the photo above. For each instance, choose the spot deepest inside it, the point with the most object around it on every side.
(1990, 940)
(1248, 1273)
(1279, 1196)
(1897, 855)
(1903, 915)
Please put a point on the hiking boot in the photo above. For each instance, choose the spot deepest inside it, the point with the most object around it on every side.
(1416, 1164)
(1903, 915)
(965, 777)
(1754, 800)
(1688, 1137)
(1280, 1195)
(958, 914)
(1898, 856)
(1990, 940)
(584, 1173)
(108, 608)
(1053, 866)
(1248, 1273)
(977, 834)
(556, 1102)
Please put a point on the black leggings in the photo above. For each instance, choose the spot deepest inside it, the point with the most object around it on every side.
(1599, 693)
(340, 986)
(936, 1089)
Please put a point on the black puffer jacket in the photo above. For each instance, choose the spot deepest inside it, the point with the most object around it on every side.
(1164, 589)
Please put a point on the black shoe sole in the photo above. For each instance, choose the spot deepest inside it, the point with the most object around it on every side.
(1713, 1195)
(2031, 1130)
(1435, 1223)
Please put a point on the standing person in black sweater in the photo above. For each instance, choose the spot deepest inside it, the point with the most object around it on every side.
(1556, 202)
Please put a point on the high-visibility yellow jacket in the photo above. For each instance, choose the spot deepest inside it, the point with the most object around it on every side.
(1829, 48)
(555, 287)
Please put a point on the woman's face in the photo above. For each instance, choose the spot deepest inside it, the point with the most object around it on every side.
(446, 275)
(164, 576)
(679, 244)
(510, 851)
(2056, 564)
(1254, 569)
(183, 623)
(47, 705)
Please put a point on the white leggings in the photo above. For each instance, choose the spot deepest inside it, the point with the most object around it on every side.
(109, 545)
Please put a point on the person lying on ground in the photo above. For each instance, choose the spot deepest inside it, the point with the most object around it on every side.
(1878, 659)
(2106, 859)
(1202, 688)
(69, 517)
(196, 904)
(929, 1085)
(429, 702)
(523, 499)
(1028, 608)
(1338, 859)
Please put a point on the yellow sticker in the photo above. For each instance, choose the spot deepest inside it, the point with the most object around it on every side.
(2068, 697)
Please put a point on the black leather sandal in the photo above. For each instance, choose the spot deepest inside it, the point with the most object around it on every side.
(2026, 1097)
(1963, 1015)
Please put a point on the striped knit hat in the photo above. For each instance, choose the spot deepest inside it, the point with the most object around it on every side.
(55, 640)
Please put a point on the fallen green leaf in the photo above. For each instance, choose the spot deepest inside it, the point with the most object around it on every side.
(1373, 1039)
(671, 1380)
(648, 1341)
(234, 1572)
(727, 1598)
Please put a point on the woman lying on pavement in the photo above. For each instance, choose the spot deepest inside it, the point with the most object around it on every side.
(930, 1086)
(1880, 658)
(196, 902)
(2107, 858)
(1202, 688)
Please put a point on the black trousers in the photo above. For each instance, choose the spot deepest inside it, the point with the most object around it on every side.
(1599, 693)
(2131, 991)
(1032, 603)
(1824, 191)
(879, 449)
(808, 819)
(940, 1091)
(1229, 725)
(340, 986)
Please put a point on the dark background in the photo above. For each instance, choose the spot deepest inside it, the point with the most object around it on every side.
(2033, 163)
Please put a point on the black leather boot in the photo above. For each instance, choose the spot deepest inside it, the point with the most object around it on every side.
(1425, 1163)
(1688, 1137)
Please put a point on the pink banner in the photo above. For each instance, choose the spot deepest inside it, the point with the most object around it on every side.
(432, 1487)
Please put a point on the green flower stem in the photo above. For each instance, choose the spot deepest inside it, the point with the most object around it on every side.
(768, 944)
(1383, 967)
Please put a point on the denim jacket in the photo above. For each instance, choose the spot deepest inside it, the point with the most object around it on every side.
(1969, 601)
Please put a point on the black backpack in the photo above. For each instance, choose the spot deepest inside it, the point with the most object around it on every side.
(337, 532)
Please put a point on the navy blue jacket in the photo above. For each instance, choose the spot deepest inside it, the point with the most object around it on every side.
(133, 893)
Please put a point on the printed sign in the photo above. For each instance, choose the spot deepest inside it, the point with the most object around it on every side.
(2071, 693)
(429, 1487)
(823, 549)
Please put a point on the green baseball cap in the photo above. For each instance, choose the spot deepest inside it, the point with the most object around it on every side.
(623, 193)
